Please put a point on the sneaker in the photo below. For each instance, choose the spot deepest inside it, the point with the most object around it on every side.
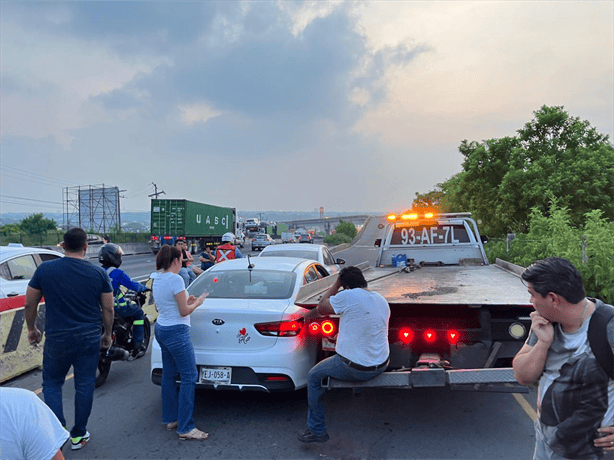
(80, 441)
(308, 436)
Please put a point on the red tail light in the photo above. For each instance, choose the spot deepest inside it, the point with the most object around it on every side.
(328, 328)
(406, 335)
(430, 336)
(281, 328)
(154, 238)
(453, 336)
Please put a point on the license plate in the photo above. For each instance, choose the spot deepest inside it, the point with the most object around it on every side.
(217, 375)
(327, 345)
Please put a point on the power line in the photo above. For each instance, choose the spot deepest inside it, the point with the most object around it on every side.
(53, 182)
(28, 199)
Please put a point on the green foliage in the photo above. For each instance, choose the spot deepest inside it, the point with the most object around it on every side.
(337, 238)
(10, 229)
(590, 248)
(346, 228)
(36, 224)
(554, 156)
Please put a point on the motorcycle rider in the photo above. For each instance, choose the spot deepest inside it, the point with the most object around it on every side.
(110, 256)
(227, 250)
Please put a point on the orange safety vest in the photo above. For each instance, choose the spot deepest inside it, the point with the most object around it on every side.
(225, 252)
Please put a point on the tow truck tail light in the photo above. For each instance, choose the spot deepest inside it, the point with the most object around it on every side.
(325, 328)
(430, 336)
(406, 335)
(453, 336)
(280, 328)
(328, 328)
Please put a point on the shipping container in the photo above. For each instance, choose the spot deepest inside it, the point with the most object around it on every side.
(199, 223)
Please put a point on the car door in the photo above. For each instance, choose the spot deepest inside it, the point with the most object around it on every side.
(15, 274)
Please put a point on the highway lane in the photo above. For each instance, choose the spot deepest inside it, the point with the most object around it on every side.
(378, 423)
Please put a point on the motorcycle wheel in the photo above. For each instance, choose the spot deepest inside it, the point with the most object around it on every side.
(146, 332)
(102, 372)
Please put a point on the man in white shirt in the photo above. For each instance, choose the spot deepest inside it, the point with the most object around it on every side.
(29, 429)
(362, 345)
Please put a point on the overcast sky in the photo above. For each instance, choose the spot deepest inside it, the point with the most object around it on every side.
(350, 106)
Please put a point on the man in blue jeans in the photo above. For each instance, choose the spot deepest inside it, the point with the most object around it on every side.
(78, 300)
(362, 345)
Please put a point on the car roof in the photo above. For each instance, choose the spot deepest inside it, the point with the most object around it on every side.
(293, 247)
(7, 252)
(286, 264)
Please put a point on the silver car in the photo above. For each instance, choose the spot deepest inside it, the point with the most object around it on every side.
(17, 265)
(317, 252)
(261, 241)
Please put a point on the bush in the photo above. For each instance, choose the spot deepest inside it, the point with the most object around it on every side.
(337, 238)
(590, 249)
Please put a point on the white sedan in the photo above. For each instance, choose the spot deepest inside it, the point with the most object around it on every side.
(317, 252)
(17, 265)
(249, 334)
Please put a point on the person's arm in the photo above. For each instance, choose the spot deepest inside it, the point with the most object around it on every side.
(187, 305)
(58, 455)
(125, 280)
(33, 298)
(606, 441)
(189, 256)
(106, 303)
(324, 307)
(529, 362)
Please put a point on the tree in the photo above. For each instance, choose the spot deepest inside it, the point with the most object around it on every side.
(553, 157)
(346, 228)
(36, 224)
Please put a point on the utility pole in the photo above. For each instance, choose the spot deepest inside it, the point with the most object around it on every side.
(156, 193)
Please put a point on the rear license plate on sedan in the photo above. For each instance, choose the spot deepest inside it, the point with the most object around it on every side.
(217, 375)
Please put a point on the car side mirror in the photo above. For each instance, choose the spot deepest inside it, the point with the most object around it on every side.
(378, 243)
(340, 261)
(484, 239)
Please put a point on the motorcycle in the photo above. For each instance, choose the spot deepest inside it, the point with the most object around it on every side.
(122, 347)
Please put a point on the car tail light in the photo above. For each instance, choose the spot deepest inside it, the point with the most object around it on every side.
(406, 335)
(276, 378)
(430, 336)
(154, 238)
(453, 336)
(281, 328)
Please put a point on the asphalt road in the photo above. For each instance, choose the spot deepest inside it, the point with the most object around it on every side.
(377, 423)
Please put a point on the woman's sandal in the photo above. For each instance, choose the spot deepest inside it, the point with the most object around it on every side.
(172, 426)
(195, 434)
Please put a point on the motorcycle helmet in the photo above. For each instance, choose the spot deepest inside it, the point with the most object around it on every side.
(110, 255)
(228, 238)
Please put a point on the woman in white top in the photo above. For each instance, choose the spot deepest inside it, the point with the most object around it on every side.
(173, 335)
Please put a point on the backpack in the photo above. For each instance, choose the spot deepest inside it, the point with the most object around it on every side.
(598, 338)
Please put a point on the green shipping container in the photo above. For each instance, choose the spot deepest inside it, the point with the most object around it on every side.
(189, 218)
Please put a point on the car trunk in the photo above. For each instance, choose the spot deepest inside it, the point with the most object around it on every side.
(227, 325)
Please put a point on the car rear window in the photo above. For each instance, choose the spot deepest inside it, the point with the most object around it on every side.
(241, 284)
(311, 255)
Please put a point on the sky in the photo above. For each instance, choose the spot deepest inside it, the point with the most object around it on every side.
(282, 105)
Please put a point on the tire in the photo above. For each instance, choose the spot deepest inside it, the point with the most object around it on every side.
(102, 372)
(146, 332)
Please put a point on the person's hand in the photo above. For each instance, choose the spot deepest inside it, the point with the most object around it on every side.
(543, 329)
(35, 336)
(606, 441)
(106, 341)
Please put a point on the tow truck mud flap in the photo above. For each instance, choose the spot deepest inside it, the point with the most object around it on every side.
(492, 380)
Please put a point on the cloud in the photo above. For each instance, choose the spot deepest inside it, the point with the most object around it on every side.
(292, 105)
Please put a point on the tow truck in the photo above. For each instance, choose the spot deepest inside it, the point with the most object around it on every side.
(456, 320)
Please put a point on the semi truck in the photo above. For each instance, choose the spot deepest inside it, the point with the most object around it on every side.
(456, 320)
(199, 224)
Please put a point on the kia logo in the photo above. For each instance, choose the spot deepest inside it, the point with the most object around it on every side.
(218, 322)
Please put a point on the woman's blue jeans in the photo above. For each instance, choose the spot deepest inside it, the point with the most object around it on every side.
(177, 359)
(82, 353)
(330, 367)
